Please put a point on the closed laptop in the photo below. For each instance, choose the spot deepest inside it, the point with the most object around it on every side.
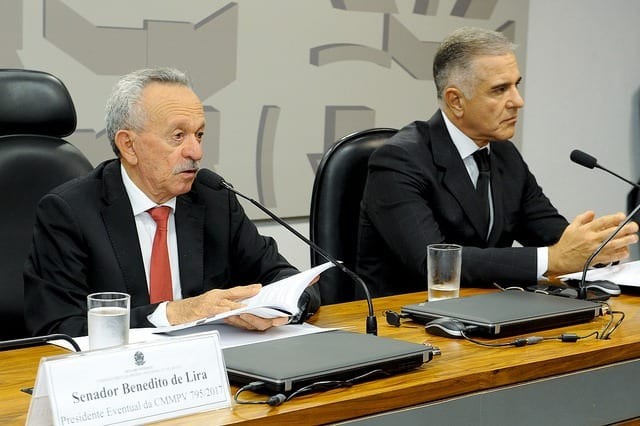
(507, 313)
(287, 364)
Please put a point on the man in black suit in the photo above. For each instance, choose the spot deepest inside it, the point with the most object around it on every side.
(97, 234)
(421, 186)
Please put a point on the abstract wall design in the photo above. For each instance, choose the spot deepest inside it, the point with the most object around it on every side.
(281, 80)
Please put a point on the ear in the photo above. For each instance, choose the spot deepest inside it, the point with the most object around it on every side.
(124, 141)
(455, 101)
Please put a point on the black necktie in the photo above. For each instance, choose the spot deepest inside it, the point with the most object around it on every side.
(482, 186)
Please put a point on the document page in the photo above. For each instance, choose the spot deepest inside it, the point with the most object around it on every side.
(279, 299)
(622, 274)
(229, 336)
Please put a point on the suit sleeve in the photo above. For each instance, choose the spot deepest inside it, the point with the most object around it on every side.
(541, 224)
(56, 276)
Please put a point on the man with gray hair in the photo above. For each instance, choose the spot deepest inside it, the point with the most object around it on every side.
(456, 178)
(146, 225)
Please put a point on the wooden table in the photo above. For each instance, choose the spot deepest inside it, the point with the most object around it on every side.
(549, 382)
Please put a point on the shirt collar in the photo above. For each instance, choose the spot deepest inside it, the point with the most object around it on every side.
(463, 143)
(140, 203)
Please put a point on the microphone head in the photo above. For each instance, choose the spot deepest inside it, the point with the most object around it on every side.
(210, 179)
(584, 159)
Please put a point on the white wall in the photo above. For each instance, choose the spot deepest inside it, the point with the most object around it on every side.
(582, 80)
(583, 85)
(290, 246)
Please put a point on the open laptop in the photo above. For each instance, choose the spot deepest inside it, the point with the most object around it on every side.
(507, 313)
(288, 364)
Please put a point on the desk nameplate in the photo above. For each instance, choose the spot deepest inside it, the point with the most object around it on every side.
(133, 384)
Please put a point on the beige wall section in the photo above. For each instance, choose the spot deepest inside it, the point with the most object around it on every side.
(582, 80)
(580, 75)
(327, 68)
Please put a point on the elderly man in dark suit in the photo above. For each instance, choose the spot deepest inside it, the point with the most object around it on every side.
(457, 179)
(99, 233)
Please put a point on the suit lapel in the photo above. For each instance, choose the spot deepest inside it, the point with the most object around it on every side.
(190, 221)
(121, 227)
(120, 224)
(455, 176)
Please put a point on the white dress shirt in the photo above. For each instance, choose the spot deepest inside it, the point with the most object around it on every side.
(146, 228)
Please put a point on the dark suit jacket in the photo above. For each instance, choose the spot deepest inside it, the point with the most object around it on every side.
(85, 241)
(418, 192)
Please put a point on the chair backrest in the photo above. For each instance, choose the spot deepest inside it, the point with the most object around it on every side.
(335, 207)
(36, 111)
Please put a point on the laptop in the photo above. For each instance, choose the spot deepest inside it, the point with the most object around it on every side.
(288, 364)
(507, 313)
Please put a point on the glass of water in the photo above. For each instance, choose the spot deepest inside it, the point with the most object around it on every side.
(108, 317)
(443, 271)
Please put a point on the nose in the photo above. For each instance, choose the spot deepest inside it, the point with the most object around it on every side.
(192, 148)
(515, 101)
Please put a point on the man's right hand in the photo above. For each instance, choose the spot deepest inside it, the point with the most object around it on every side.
(581, 238)
(209, 304)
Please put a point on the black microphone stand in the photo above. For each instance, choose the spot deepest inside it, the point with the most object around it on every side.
(372, 322)
(582, 291)
(590, 162)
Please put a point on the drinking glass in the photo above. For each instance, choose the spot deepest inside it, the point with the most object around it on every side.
(108, 318)
(443, 271)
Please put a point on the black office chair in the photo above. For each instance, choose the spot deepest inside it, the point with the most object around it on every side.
(335, 208)
(36, 111)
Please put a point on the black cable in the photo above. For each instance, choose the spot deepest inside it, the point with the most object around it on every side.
(247, 387)
(322, 385)
(394, 319)
(606, 333)
(530, 340)
(610, 327)
(334, 384)
(38, 340)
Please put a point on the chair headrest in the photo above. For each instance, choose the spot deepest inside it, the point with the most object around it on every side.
(35, 102)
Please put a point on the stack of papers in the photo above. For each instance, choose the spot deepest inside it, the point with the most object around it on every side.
(622, 274)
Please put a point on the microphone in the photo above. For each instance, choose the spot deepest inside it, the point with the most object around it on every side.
(588, 161)
(215, 181)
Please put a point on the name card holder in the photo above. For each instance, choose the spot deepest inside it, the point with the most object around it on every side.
(132, 384)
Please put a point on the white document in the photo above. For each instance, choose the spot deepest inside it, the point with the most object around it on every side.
(230, 336)
(279, 299)
(621, 274)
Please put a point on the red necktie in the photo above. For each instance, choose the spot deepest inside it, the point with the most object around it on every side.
(160, 289)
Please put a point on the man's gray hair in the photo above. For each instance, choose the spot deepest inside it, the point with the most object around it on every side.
(123, 110)
(453, 62)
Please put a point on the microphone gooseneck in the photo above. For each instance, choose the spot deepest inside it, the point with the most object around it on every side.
(215, 181)
(582, 291)
(586, 160)
(38, 340)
